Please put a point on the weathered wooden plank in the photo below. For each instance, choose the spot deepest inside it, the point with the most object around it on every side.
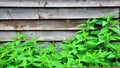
(44, 35)
(41, 25)
(55, 13)
(59, 3)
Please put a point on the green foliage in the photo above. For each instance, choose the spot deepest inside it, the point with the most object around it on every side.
(90, 46)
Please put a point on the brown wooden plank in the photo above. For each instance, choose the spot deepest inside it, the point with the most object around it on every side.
(41, 25)
(44, 35)
(55, 13)
(59, 3)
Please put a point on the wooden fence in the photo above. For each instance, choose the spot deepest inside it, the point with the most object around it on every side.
(52, 20)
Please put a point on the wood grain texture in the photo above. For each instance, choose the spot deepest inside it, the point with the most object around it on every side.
(41, 25)
(52, 20)
(59, 3)
(55, 13)
(44, 35)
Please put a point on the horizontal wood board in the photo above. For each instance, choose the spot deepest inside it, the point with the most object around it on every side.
(59, 3)
(55, 13)
(43, 35)
(41, 25)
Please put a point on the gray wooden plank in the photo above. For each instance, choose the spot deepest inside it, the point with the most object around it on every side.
(57, 3)
(55, 13)
(44, 35)
(41, 25)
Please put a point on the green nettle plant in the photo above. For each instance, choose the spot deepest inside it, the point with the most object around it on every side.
(97, 44)
(94, 46)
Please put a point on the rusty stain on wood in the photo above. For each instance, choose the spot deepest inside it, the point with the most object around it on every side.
(40, 17)
(67, 21)
(33, 25)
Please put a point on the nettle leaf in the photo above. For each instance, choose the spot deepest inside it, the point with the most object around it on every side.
(104, 30)
(92, 38)
(78, 36)
(79, 32)
(3, 62)
(115, 37)
(90, 44)
(91, 27)
(116, 64)
(88, 21)
(3, 54)
(56, 63)
(36, 64)
(74, 51)
(81, 47)
(116, 43)
(82, 25)
(115, 29)
(94, 32)
(111, 55)
(17, 42)
(24, 63)
(109, 17)
(111, 47)
(28, 42)
(115, 22)
(101, 39)
(20, 36)
(104, 54)
(80, 40)
(93, 21)
(10, 66)
(104, 23)
(99, 22)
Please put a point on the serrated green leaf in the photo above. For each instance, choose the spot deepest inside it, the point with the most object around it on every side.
(104, 23)
(115, 29)
(114, 37)
(36, 64)
(81, 47)
(91, 27)
(109, 17)
(17, 42)
(94, 32)
(90, 44)
(93, 21)
(82, 25)
(111, 55)
(101, 39)
(116, 64)
(104, 30)
(24, 63)
(92, 38)
(56, 63)
(10, 66)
